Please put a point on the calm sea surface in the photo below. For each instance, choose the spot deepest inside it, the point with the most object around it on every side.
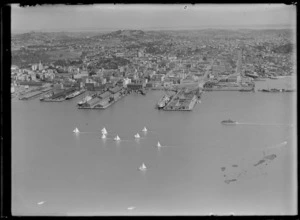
(85, 175)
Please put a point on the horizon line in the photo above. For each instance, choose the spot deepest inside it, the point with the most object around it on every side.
(95, 29)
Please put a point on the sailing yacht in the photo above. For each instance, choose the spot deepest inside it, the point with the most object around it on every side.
(104, 131)
(144, 129)
(117, 138)
(158, 144)
(76, 130)
(137, 136)
(143, 167)
(103, 136)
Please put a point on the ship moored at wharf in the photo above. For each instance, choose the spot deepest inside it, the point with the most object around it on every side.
(58, 96)
(274, 90)
(35, 93)
(163, 101)
(103, 99)
(184, 100)
(74, 94)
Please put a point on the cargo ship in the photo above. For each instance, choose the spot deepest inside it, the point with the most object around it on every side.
(163, 101)
(247, 90)
(272, 90)
(228, 122)
(84, 100)
(288, 90)
(74, 94)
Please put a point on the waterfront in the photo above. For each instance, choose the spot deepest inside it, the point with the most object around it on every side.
(83, 174)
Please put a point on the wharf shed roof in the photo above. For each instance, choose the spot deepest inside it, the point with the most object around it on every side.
(104, 95)
(93, 101)
(115, 89)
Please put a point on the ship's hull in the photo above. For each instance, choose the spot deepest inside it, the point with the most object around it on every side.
(228, 123)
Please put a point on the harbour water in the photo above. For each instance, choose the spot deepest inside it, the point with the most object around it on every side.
(57, 172)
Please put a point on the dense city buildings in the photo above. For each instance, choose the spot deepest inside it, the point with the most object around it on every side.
(223, 60)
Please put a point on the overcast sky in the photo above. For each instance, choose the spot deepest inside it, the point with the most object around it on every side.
(91, 17)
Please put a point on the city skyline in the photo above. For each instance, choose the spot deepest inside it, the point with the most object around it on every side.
(150, 17)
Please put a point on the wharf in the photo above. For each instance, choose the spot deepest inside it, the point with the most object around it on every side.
(52, 100)
(232, 88)
(188, 105)
(182, 101)
(31, 95)
(94, 106)
(34, 94)
(109, 104)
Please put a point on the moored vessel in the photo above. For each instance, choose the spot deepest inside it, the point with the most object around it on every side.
(84, 100)
(229, 122)
(163, 101)
(74, 94)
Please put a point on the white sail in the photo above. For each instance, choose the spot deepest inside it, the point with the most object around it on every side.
(117, 138)
(41, 203)
(143, 167)
(76, 130)
(104, 131)
(158, 144)
(103, 136)
(137, 135)
(145, 129)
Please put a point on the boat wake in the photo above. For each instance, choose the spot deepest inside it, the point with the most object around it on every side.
(278, 145)
(262, 124)
(168, 146)
(89, 132)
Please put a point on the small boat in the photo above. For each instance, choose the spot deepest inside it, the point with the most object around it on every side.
(144, 129)
(158, 144)
(76, 130)
(104, 131)
(274, 90)
(131, 208)
(137, 136)
(289, 90)
(103, 136)
(229, 122)
(143, 167)
(117, 138)
(41, 203)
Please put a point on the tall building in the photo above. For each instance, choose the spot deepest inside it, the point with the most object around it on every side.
(40, 66)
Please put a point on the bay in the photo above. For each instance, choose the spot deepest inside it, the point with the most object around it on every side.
(85, 175)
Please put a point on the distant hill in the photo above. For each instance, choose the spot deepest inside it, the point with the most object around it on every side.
(132, 35)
